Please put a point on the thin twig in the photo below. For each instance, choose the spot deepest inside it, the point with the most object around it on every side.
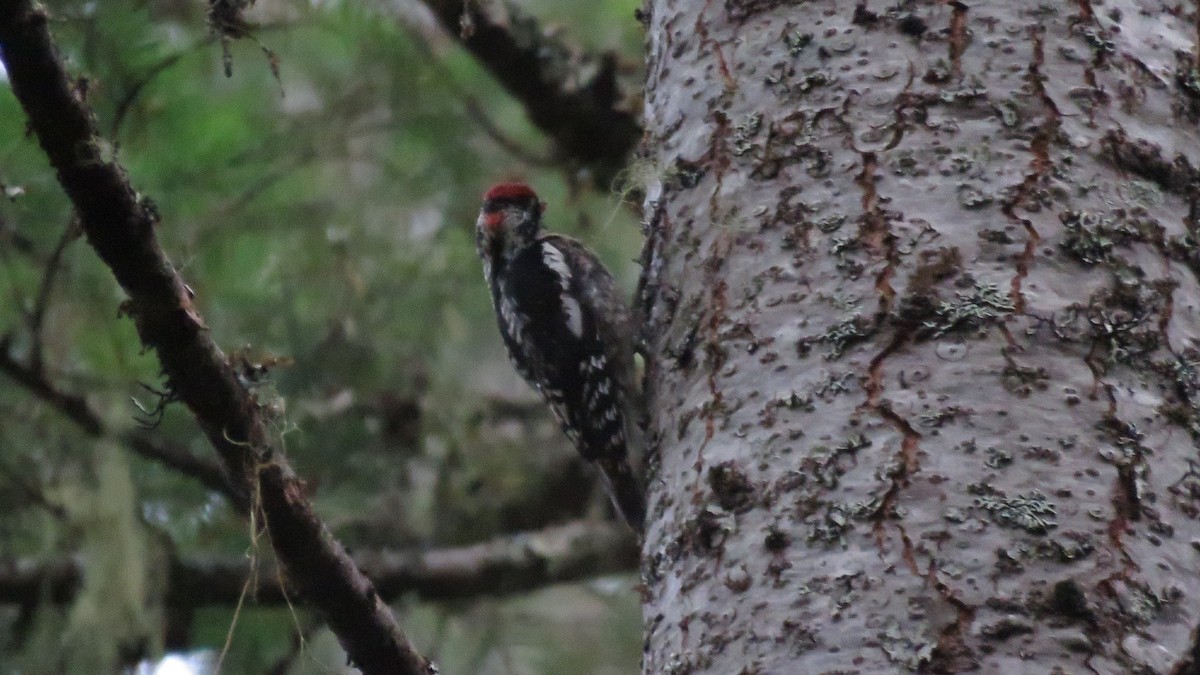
(33, 493)
(476, 112)
(161, 66)
(9, 235)
(131, 95)
(37, 315)
(75, 407)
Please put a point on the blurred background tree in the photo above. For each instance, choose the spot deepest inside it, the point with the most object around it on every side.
(317, 184)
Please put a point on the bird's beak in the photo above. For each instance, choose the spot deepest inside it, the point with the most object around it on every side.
(492, 221)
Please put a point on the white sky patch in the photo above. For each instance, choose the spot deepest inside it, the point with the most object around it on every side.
(181, 663)
(3, 73)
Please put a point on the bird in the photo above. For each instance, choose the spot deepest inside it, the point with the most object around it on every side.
(569, 333)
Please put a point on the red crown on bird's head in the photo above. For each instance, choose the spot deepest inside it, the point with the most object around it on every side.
(510, 191)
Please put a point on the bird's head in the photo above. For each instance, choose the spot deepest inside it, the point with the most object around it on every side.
(511, 219)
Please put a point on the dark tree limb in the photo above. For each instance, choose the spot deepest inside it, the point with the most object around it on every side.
(503, 566)
(588, 118)
(119, 225)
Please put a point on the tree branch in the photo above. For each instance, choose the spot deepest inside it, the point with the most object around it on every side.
(10, 236)
(120, 226)
(37, 316)
(75, 408)
(586, 119)
(503, 566)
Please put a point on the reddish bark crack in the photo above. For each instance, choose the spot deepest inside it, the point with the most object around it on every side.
(1085, 9)
(1032, 239)
(1009, 340)
(1089, 76)
(716, 360)
(907, 550)
(950, 641)
(876, 233)
(707, 41)
(1168, 311)
(717, 302)
(874, 383)
(1119, 628)
(907, 456)
(958, 38)
(1196, 47)
(904, 100)
(1089, 69)
(1124, 500)
(1039, 165)
(908, 445)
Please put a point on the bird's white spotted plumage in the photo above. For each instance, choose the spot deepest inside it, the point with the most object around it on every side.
(513, 321)
(554, 259)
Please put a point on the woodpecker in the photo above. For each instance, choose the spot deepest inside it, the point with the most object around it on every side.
(568, 332)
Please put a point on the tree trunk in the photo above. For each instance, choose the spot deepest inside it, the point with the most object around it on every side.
(921, 311)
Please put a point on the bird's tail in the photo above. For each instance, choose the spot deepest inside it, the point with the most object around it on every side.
(626, 491)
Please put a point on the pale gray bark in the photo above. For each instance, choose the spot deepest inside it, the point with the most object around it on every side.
(921, 296)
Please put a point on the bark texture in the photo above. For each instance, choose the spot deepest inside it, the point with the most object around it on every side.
(921, 290)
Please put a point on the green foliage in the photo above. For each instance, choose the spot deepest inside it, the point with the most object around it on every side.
(324, 220)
